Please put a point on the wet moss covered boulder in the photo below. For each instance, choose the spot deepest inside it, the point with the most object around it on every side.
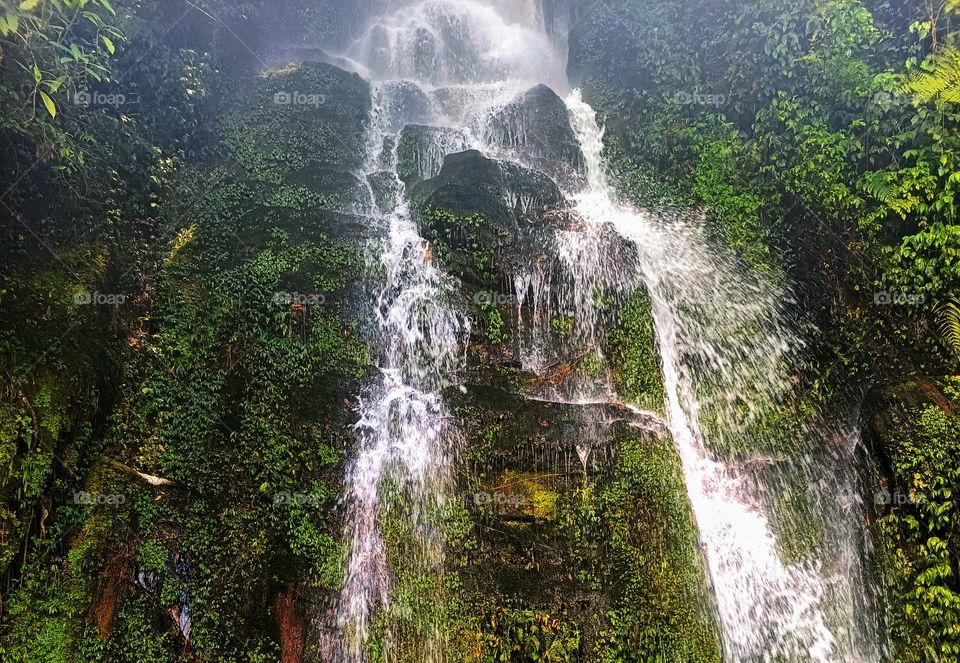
(486, 216)
(505, 193)
(577, 525)
(301, 115)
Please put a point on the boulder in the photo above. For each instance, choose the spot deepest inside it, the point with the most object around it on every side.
(300, 115)
(402, 103)
(536, 128)
(504, 193)
(485, 217)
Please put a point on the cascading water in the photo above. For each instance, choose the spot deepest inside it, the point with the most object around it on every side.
(447, 66)
(725, 352)
(441, 63)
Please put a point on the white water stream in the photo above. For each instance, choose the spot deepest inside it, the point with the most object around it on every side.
(715, 323)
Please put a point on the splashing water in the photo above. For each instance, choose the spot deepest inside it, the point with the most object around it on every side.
(725, 351)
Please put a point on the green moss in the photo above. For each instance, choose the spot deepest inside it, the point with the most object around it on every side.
(561, 326)
(586, 554)
(461, 244)
(656, 561)
(799, 530)
(634, 356)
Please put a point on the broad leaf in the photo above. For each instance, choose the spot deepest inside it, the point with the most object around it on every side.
(48, 103)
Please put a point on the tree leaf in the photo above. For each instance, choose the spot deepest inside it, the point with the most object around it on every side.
(28, 5)
(13, 22)
(48, 102)
(109, 44)
(37, 76)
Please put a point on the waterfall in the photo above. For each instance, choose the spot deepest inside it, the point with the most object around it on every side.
(442, 63)
(725, 348)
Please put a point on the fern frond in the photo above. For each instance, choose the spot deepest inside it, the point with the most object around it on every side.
(880, 184)
(941, 82)
(949, 313)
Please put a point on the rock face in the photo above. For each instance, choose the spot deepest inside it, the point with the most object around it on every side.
(536, 127)
(301, 115)
(564, 502)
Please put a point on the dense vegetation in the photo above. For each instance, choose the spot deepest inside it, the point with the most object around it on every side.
(179, 333)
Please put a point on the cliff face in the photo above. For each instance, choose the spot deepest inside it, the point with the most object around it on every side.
(568, 522)
(183, 374)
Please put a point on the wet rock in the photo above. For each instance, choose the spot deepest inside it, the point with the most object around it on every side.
(421, 150)
(536, 127)
(588, 488)
(385, 189)
(486, 217)
(403, 102)
(313, 113)
(506, 194)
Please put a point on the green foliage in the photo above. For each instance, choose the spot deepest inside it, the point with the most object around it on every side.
(52, 51)
(494, 322)
(940, 81)
(562, 326)
(950, 323)
(920, 537)
(634, 354)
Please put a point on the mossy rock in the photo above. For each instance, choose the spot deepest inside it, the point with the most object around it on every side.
(301, 115)
(591, 546)
(340, 190)
(509, 196)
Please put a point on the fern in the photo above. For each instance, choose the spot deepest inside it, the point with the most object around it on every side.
(941, 82)
(881, 185)
(949, 312)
